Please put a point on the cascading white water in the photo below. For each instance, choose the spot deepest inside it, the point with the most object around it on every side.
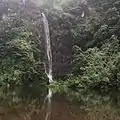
(49, 60)
(48, 47)
(23, 1)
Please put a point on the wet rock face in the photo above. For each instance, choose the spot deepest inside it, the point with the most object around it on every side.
(60, 24)
(62, 52)
(61, 41)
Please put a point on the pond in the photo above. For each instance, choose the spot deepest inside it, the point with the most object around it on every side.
(73, 106)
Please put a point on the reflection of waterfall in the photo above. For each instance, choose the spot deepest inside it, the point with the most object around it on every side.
(49, 60)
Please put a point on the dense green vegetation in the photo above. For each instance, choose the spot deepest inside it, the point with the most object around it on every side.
(21, 68)
(96, 49)
(95, 40)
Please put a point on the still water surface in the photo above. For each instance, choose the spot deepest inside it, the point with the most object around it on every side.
(62, 109)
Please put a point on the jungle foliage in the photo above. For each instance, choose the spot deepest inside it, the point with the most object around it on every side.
(96, 49)
(21, 67)
(95, 42)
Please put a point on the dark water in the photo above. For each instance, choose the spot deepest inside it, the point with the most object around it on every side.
(70, 107)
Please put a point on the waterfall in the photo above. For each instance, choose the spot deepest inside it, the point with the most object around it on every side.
(24, 2)
(49, 60)
(48, 47)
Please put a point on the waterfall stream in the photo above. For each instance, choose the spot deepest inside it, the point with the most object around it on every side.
(49, 60)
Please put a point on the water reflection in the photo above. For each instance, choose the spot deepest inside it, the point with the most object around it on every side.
(75, 106)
